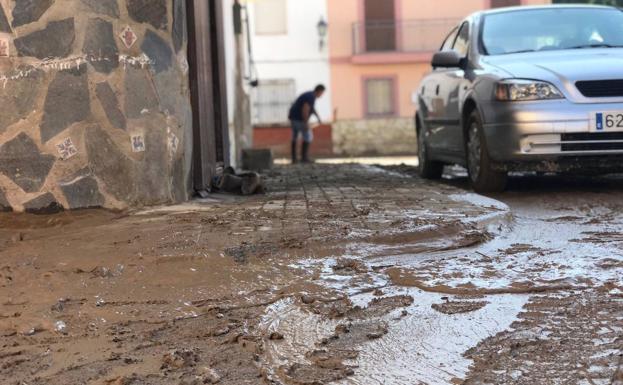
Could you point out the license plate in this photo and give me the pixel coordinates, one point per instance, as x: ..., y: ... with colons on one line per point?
x: 607, y: 121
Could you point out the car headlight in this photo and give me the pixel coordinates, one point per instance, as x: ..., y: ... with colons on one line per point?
x: 524, y: 90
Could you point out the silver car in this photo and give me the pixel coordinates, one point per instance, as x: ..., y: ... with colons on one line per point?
x: 525, y: 89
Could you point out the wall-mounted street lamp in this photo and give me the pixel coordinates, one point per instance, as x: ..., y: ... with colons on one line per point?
x: 323, y: 29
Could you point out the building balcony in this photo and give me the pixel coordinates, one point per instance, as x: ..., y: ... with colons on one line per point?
x: 398, y: 41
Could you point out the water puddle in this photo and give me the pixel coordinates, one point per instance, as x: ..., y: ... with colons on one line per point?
x: 422, y: 345
x: 544, y: 245
x: 427, y: 346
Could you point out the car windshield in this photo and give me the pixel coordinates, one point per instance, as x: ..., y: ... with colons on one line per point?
x: 552, y: 29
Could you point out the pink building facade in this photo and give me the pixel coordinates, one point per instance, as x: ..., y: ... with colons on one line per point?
x: 379, y: 51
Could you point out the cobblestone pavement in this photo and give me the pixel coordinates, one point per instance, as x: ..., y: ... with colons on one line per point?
x: 357, y: 202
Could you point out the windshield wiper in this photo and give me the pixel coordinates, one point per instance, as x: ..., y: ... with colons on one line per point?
x: 596, y: 45
x: 522, y: 51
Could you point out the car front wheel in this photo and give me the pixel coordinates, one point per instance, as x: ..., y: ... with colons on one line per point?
x: 483, y: 177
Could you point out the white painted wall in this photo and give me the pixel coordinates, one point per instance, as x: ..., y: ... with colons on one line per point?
x: 230, y: 52
x: 296, y: 54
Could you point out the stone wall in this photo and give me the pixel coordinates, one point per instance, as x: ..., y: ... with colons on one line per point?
x: 94, y: 104
x: 395, y: 136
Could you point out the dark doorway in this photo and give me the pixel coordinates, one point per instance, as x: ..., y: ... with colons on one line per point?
x: 208, y: 89
x: 380, y: 25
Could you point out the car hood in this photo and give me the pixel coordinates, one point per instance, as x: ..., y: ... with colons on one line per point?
x: 565, y: 66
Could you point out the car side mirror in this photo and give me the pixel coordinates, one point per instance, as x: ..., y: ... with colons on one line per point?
x: 447, y: 59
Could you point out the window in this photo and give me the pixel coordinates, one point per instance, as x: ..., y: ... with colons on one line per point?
x: 271, y: 17
x: 449, y: 42
x: 380, y: 97
x: 505, y: 3
x: 461, y: 44
x: 272, y: 101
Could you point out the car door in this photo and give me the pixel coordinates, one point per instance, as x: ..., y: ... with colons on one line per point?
x: 448, y: 99
x: 432, y: 108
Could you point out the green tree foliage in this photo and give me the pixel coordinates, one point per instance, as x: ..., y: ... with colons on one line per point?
x: 617, y: 3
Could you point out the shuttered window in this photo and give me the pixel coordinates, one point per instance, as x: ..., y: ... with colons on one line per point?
x: 380, y: 97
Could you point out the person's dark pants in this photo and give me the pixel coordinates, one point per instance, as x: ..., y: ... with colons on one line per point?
x: 300, y: 128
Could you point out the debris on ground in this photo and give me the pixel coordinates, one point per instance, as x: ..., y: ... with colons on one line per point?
x: 276, y: 336
x: 459, y: 307
x: 245, y: 183
x: 178, y: 359
x: 61, y: 327
x: 349, y: 266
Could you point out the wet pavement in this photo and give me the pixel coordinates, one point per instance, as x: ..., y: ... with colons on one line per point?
x: 344, y: 274
x: 566, y: 232
x: 539, y: 301
x: 561, y: 253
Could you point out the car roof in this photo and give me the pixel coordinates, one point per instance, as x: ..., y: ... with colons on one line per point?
x: 537, y: 7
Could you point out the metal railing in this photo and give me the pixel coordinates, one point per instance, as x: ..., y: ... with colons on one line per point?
x: 409, y: 36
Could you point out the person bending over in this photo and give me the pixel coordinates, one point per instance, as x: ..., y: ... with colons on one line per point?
x: 300, y: 113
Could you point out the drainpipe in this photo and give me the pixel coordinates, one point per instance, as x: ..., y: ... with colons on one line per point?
x: 242, y: 106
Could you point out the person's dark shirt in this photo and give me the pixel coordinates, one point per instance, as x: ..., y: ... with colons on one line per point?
x: 296, y: 111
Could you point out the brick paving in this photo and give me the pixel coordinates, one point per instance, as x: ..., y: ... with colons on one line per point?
x: 328, y: 202
x: 313, y: 207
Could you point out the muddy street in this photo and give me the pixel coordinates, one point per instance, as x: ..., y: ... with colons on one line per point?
x: 344, y: 274
x: 538, y: 302
x: 555, y: 263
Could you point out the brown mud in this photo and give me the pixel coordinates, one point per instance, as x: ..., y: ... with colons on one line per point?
x: 342, y: 274
x: 175, y: 295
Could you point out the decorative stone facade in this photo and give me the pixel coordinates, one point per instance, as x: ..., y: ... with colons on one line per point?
x: 394, y: 136
x: 94, y: 104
